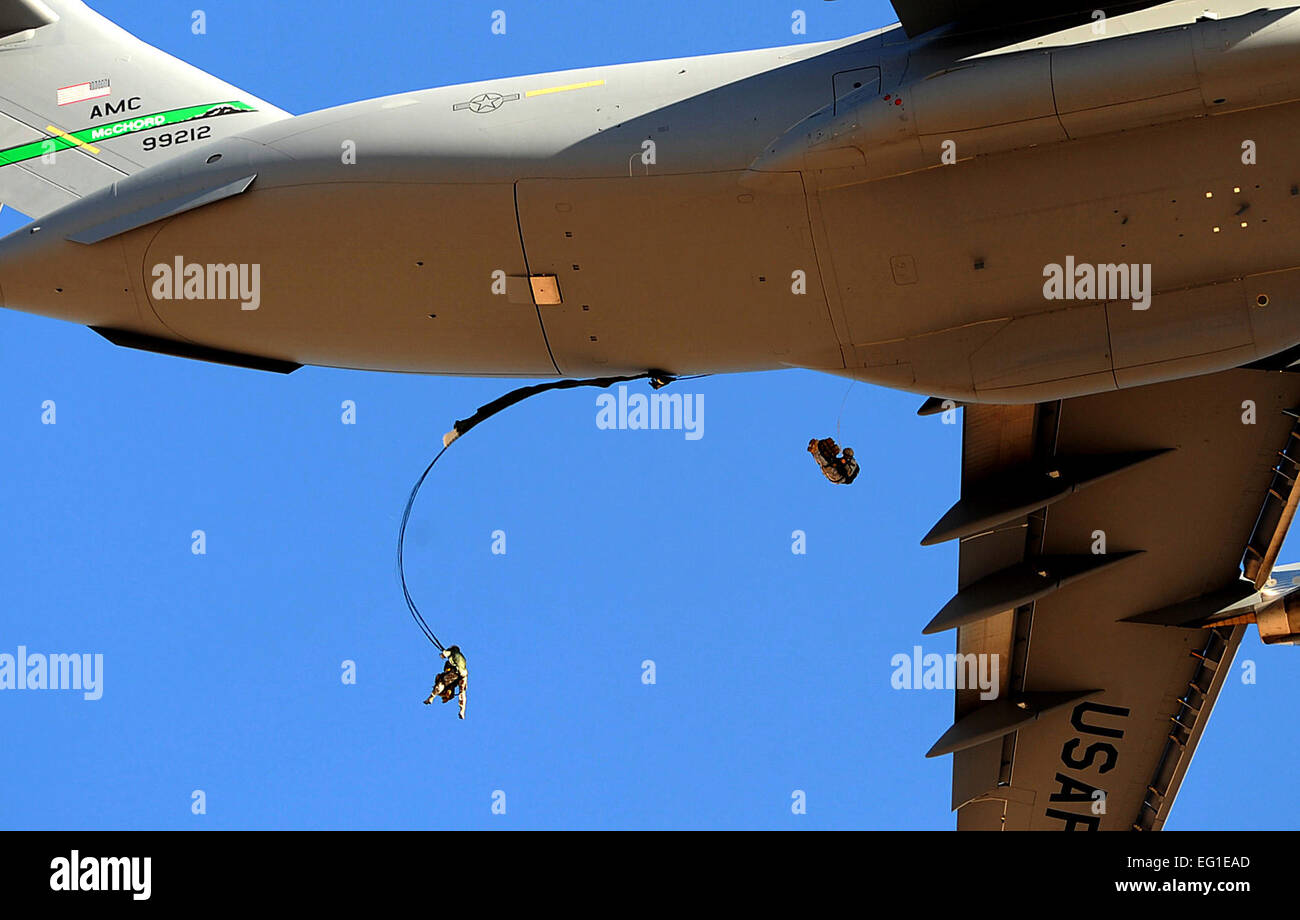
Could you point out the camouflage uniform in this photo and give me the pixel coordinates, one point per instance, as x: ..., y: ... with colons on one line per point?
x: 840, y: 470
x: 454, y: 676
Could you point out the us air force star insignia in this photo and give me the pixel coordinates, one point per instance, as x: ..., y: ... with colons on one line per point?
x: 485, y: 102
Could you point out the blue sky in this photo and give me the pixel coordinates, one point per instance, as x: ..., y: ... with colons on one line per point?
x: 222, y: 671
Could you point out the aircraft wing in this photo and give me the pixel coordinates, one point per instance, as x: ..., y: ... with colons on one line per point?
x: 1182, y: 485
x: 917, y: 16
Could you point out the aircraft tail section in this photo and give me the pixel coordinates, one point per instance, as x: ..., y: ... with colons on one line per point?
x: 84, y: 103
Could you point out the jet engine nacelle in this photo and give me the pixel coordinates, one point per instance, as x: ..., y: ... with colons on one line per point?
x: 1279, y: 620
x: 986, y: 105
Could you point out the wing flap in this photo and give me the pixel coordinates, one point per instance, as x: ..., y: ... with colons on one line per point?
x: 1115, y: 760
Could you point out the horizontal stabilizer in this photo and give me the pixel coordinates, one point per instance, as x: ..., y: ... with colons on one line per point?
x: 18, y: 16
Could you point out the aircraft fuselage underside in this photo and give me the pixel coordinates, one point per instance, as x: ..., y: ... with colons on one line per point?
x: 608, y: 221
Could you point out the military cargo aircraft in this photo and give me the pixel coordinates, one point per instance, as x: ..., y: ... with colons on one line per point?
x: 1074, y: 224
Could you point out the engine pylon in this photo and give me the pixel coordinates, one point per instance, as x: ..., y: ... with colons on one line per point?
x: 1278, y: 621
